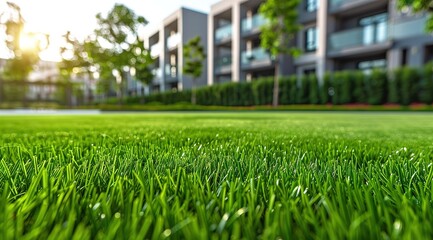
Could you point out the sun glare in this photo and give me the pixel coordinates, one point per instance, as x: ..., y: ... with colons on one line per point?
x: 28, y: 42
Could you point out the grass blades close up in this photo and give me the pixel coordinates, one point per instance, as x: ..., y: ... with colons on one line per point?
x: 217, y: 176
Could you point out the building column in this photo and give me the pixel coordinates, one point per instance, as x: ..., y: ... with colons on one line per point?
x: 179, y: 64
x: 322, y: 30
x: 163, y: 52
x: 393, y: 58
x: 236, y: 41
x: 210, y: 49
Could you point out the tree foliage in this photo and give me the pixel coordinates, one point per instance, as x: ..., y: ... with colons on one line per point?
x: 118, y: 46
x: 279, y: 32
x: 420, y: 5
x: 75, y: 57
x: 194, y: 55
x: 23, y: 57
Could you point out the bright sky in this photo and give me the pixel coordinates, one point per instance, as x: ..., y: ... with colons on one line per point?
x: 55, y: 17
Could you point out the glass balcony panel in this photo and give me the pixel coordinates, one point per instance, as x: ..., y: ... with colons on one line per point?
x: 336, y: 3
x: 170, y: 71
x: 363, y: 36
x: 415, y: 27
x: 223, y: 63
x: 257, y: 54
x: 157, y: 72
x: 254, y: 23
x: 173, y: 40
x: 223, y: 33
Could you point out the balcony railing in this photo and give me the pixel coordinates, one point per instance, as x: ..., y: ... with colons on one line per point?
x: 223, y: 33
x: 337, y: 3
x: 173, y: 41
x: 361, y: 36
x: 155, y: 50
x: 223, y: 63
x: 253, y: 24
x: 170, y: 72
x: 256, y: 55
x: 157, y: 73
x: 411, y: 28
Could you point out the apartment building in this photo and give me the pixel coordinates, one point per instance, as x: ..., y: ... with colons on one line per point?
x: 234, y: 52
x: 166, y: 45
x: 335, y: 35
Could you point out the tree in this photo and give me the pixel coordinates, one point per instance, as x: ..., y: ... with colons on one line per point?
x: 119, y: 50
x: 142, y: 63
x: 278, y: 33
x: 78, y: 60
x: 420, y: 5
x: 24, y: 47
x: 194, y: 55
x: 74, y: 57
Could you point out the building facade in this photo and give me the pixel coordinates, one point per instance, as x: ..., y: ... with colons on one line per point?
x: 335, y: 35
x: 166, y: 45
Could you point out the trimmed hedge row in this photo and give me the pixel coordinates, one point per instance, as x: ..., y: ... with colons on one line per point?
x: 403, y: 86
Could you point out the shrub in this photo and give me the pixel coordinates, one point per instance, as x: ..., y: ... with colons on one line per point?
x: 346, y: 87
x: 409, y: 85
x: 426, y: 93
x: 284, y: 91
x: 376, y: 87
x: 359, y: 87
x: 293, y: 89
x: 263, y: 89
x: 314, y: 89
x: 324, y: 89
x: 394, y: 86
x: 303, y: 90
x: 336, y: 86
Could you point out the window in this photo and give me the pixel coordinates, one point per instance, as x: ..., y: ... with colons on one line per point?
x: 155, y: 88
x: 404, y: 57
x: 428, y: 54
x: 310, y: 43
x: 309, y: 71
x: 374, y: 28
x: 311, y: 5
x: 368, y: 66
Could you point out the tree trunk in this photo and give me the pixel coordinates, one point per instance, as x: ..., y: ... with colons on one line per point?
x: 120, y: 89
x: 119, y: 93
x: 142, y: 98
x: 276, y: 84
x: 1, y: 90
x: 193, y: 93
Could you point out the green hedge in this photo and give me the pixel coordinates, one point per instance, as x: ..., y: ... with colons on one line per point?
x: 402, y: 86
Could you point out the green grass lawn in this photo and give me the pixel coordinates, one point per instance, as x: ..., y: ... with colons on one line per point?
x: 217, y: 176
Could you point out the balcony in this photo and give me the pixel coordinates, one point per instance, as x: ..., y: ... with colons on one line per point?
x: 173, y: 41
x: 170, y: 73
x: 348, y: 6
x: 252, y: 25
x: 155, y: 50
x: 223, y: 64
x: 338, y: 3
x: 223, y: 34
x: 367, y: 38
x: 257, y: 57
x: 407, y: 29
x: 157, y: 73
